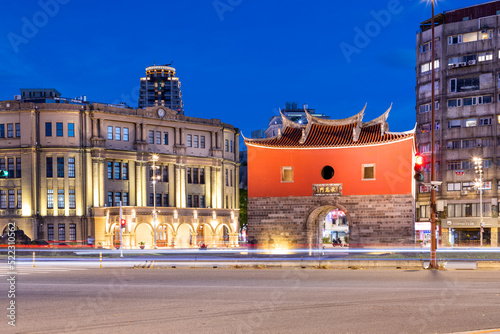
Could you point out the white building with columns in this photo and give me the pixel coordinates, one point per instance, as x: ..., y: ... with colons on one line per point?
x: 71, y: 165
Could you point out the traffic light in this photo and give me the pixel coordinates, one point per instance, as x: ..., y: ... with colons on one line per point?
x: 4, y: 173
x: 419, y: 168
x: 123, y: 223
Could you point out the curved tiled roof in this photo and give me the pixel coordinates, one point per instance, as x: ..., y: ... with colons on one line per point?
x: 330, y: 136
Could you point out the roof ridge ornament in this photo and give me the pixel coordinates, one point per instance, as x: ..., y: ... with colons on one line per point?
x: 305, y: 133
x: 382, y: 120
x: 358, y: 118
x: 288, y: 122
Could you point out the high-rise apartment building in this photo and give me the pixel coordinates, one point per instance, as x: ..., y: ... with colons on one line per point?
x: 292, y: 112
x: 467, y: 96
x: 160, y: 87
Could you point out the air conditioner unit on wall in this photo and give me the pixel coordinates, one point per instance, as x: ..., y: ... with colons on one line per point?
x: 462, y: 64
x: 479, y: 145
x: 464, y: 192
x: 471, y: 62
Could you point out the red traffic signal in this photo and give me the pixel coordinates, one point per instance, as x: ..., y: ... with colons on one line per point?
x: 123, y: 223
x: 419, y: 168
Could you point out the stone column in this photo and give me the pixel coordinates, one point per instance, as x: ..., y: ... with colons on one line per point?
x: 194, y: 240
x: 95, y: 181
x: 208, y: 190
x: 213, y: 197
x: 144, y: 176
x: 138, y: 184
x: 101, y: 176
x: 183, y: 183
x: 171, y: 185
x: 138, y: 133
x: 178, y: 192
x: 494, y: 237
x: 132, y: 186
x: 144, y: 134
x: 95, y: 131
x: 173, y: 240
x: 237, y: 186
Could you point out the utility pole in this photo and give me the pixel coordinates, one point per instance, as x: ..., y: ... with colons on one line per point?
x: 433, y: 262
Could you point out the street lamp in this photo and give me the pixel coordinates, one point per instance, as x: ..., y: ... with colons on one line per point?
x: 155, y: 178
x: 478, y: 162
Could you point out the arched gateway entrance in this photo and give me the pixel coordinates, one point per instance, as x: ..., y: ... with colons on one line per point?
x: 327, y: 223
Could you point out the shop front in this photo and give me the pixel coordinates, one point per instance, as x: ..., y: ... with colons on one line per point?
x: 467, y: 233
x: 423, y: 233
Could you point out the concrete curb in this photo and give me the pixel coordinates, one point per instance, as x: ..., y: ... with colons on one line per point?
x: 326, y: 264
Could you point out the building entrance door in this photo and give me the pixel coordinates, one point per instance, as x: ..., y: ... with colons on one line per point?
x: 162, y: 235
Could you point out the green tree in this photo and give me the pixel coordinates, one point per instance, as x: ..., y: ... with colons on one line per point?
x: 243, y: 207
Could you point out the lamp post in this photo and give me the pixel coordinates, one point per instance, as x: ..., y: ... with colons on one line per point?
x: 479, y: 184
x: 154, y: 179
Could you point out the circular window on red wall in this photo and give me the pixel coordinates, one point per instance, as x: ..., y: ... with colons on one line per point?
x: 327, y: 172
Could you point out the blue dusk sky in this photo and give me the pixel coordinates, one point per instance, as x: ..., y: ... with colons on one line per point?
x: 238, y: 60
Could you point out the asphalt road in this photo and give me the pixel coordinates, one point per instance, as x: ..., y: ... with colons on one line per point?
x: 204, y: 301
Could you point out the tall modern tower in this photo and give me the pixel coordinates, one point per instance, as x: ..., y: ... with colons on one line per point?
x: 160, y: 87
x: 467, y: 118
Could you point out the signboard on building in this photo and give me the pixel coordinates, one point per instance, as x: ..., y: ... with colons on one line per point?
x: 328, y: 189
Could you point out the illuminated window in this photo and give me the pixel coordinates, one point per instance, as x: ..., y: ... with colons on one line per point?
x: 60, y: 167
x: 118, y: 133
x: 125, y: 171
x: 62, y: 232
x: 427, y: 66
x: 72, y: 232
x: 60, y: 198
x: 151, y: 137
x: 50, y: 232
x: 12, y: 199
x: 71, y: 167
x: 50, y: 198
x: 59, y: 129
x: 369, y: 172
x: 71, y: 199
x: 125, y: 134
x: 71, y: 129
x: 10, y: 130
x: 469, y: 37
x: 287, y: 174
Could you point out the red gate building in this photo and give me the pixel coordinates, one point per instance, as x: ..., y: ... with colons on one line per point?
x: 307, y: 171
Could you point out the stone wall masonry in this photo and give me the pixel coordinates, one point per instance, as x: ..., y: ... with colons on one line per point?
x: 373, y: 219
